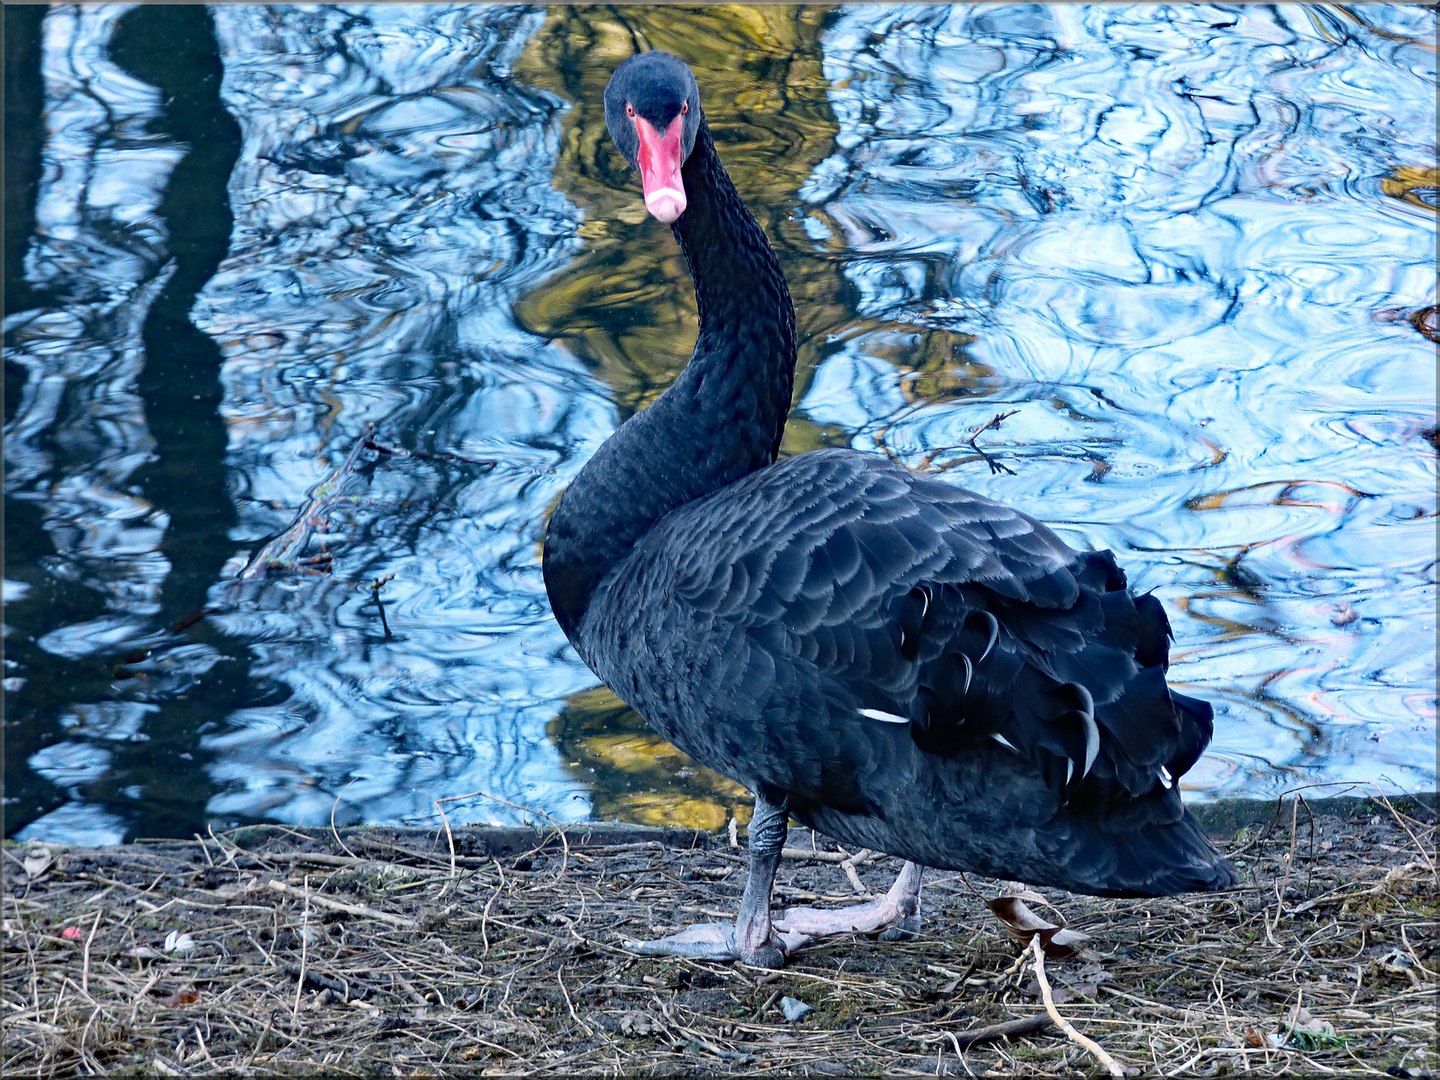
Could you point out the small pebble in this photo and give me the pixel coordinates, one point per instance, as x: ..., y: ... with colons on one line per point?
x: 794, y: 1009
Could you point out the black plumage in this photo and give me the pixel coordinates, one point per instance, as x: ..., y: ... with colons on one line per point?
x: 902, y: 664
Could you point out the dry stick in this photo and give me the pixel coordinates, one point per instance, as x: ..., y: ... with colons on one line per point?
x: 1026, y: 1025
x: 334, y: 830
x: 814, y: 856
x: 1344, y: 785
x: 1285, y: 882
x: 339, y: 987
x: 1400, y: 820
x: 570, y: 1005
x: 1064, y: 1025
x: 320, y: 858
x: 304, y: 938
x: 485, y: 915
x: 229, y: 855
x: 349, y: 909
x: 203, y: 1048
x: 1424, y: 971
x: 450, y: 839
x: 292, y: 541
x: 495, y: 798
x: 849, y: 865
x: 85, y: 972
x: 409, y: 988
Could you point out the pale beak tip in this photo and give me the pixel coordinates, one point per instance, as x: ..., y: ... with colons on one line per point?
x: 666, y: 204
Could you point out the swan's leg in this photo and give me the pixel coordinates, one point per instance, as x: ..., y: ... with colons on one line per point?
x: 752, y: 938
x: 896, y: 914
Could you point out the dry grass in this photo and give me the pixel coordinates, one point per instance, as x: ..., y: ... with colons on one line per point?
x: 362, y: 953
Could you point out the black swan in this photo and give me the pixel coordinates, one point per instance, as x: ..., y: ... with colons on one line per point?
x: 898, y: 663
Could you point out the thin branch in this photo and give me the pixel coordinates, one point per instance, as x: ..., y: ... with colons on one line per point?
x: 1111, y: 1065
x: 996, y: 467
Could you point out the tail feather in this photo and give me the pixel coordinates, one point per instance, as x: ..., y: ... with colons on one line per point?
x: 1160, y: 860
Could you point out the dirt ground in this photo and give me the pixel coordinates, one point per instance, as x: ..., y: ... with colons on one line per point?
x: 269, y: 950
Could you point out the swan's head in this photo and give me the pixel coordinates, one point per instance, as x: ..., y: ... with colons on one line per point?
x: 652, y: 108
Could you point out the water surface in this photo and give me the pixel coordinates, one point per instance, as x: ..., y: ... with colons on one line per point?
x: 1191, y: 248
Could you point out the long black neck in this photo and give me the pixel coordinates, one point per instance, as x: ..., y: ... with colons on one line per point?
x: 721, y: 419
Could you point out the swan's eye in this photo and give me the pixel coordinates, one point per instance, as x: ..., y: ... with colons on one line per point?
x: 684, y: 108
x: 629, y: 109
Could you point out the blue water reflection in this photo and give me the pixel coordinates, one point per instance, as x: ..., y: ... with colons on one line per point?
x: 1192, y: 247
x: 1174, y: 242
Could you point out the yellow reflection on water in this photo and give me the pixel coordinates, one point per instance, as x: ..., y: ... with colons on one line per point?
x: 1411, y: 183
x: 626, y: 305
x: 635, y: 775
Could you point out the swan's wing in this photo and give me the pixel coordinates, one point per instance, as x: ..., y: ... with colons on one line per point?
x: 924, y: 605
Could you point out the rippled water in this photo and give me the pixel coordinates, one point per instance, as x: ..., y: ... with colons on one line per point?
x: 1192, y: 248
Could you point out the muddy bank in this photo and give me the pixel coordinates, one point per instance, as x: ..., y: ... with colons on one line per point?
x: 377, y: 952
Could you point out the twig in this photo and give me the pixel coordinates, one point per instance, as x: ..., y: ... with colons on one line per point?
x: 996, y: 467
x: 488, y: 464
x: 335, y: 832
x: 409, y: 988
x: 450, y: 839
x: 1026, y: 1025
x: 485, y: 915
x: 338, y: 987
x: 570, y: 1005
x: 774, y: 997
x: 322, y: 858
x: 85, y: 972
x: 861, y: 856
x: 304, y: 941
x: 507, y: 802
x: 1111, y: 1065
x: 1400, y: 820
x: 375, y: 587
x: 815, y: 856
x: 358, y: 910
x: 285, y: 548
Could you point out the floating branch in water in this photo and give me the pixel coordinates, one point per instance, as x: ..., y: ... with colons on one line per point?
x: 994, y: 422
x: 972, y: 442
x: 375, y: 587
x: 283, y: 552
x: 487, y: 464
x: 929, y: 459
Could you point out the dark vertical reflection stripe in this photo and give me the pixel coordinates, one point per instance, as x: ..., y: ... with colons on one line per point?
x: 25, y: 539
x: 180, y: 383
x: 173, y: 48
x: 24, y: 103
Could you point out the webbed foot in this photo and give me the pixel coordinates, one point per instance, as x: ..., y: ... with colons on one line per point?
x: 720, y: 942
x: 895, y: 916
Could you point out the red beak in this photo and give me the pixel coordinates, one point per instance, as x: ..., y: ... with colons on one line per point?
x: 660, y: 169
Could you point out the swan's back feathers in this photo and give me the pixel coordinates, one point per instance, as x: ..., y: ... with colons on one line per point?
x: 852, y: 604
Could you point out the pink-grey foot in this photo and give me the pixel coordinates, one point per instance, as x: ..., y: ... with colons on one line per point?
x: 755, y: 940
x: 896, y: 915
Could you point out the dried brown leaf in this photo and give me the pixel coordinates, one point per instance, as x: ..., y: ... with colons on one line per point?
x: 1024, y: 924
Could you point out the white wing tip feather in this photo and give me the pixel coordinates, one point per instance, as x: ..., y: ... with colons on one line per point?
x: 1004, y: 742
x: 884, y: 717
